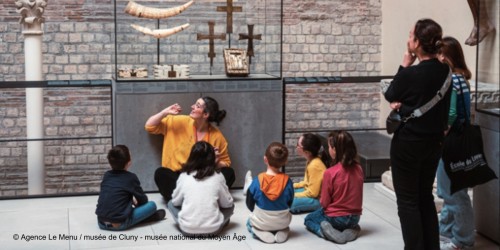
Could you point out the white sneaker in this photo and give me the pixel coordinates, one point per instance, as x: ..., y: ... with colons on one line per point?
x: 451, y: 246
x: 444, y: 239
x: 264, y: 236
x: 282, y: 235
x: 248, y: 181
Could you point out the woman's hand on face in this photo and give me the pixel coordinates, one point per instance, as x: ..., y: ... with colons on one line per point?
x: 395, y: 105
x: 172, y: 110
x: 408, y: 58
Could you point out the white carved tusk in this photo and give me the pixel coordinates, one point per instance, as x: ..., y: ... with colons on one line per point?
x: 160, y: 33
x: 138, y: 10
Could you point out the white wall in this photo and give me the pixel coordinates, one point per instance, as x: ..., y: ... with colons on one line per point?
x: 455, y: 17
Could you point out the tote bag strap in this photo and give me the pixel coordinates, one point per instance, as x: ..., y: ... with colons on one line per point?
x: 467, y: 118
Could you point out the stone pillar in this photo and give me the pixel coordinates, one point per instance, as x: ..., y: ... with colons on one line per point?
x: 31, y: 18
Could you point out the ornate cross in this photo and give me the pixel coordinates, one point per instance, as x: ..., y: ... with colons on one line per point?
x: 211, y: 37
x: 250, y: 36
x: 229, y: 9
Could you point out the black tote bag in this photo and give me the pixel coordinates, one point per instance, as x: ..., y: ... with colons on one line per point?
x: 464, y: 159
x: 463, y: 156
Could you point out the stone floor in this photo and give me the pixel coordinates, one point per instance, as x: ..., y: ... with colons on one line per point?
x: 53, y: 219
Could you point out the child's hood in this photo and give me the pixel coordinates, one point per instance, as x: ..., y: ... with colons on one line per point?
x: 273, y: 185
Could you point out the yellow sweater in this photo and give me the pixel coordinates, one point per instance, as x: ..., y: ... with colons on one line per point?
x: 313, y: 177
x: 179, y: 137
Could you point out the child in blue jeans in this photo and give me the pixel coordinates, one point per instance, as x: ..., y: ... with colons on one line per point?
x: 307, y: 191
x: 341, y: 193
x: 122, y: 203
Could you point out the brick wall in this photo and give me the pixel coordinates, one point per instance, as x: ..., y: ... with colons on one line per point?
x: 325, y: 107
x: 72, y: 165
x: 320, y: 38
x: 331, y: 37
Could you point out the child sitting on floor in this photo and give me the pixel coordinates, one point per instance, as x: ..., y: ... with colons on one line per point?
x: 269, y: 197
x: 201, y: 203
x: 341, y: 193
x: 122, y: 203
x: 307, y: 191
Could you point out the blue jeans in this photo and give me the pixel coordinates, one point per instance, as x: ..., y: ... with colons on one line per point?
x: 341, y: 223
x: 457, y: 217
x: 139, y: 214
x: 304, y: 204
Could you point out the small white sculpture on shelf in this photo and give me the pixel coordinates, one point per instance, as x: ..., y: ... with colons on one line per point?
x: 171, y: 71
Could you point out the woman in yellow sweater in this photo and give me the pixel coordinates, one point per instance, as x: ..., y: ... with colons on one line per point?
x: 307, y: 192
x: 180, y: 133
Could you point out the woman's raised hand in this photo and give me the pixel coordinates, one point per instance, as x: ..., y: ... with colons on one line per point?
x: 172, y: 110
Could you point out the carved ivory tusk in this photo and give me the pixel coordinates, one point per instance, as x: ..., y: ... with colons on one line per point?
x: 160, y: 33
x: 138, y: 10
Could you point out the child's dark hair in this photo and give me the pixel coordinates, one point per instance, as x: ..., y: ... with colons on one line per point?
x: 276, y: 154
x: 202, y: 160
x: 212, y: 108
x: 312, y: 143
x: 118, y: 157
x: 345, y: 148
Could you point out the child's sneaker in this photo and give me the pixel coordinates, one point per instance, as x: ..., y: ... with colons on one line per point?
x: 281, y: 235
x: 451, y: 246
x: 264, y: 236
x: 158, y: 215
x: 352, y: 233
x: 331, y: 233
x: 443, y: 239
x: 248, y: 181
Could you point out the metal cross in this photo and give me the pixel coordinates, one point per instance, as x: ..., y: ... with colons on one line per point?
x: 250, y: 36
x: 229, y: 9
x: 211, y: 36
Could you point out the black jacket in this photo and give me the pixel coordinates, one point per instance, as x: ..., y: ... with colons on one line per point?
x: 115, y: 199
x: 414, y: 86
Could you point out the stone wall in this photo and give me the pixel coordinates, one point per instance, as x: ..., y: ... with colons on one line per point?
x: 320, y: 38
x: 77, y: 123
x: 325, y: 107
x: 331, y: 37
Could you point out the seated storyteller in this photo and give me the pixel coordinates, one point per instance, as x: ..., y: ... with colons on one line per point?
x: 307, y: 191
x: 269, y: 197
x: 122, y: 203
x: 341, y: 193
x: 180, y: 133
x: 201, y: 203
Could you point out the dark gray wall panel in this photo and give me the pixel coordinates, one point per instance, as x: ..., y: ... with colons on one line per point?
x: 254, y: 119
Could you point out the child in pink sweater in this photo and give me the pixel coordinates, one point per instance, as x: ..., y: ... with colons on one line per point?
x: 341, y: 196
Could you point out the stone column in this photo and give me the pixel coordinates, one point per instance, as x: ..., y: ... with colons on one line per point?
x: 31, y: 18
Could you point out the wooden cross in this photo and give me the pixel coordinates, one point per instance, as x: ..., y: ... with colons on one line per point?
x: 229, y: 9
x: 250, y: 36
x: 211, y: 37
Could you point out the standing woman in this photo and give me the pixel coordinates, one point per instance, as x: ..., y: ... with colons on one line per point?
x: 416, y: 146
x: 180, y: 133
x: 456, y: 223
